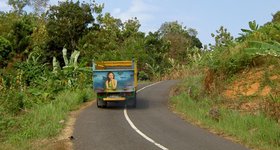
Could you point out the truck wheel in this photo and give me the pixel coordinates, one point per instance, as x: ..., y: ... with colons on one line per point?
x: 100, y: 103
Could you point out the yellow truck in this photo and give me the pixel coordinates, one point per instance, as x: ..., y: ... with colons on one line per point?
x: 115, y: 81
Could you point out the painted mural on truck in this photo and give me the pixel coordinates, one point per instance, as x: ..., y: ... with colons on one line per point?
x: 124, y: 80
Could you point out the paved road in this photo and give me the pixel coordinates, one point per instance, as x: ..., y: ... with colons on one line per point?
x: 108, y: 129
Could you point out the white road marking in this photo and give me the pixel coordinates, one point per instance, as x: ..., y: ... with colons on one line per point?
x: 147, y: 86
x: 136, y: 129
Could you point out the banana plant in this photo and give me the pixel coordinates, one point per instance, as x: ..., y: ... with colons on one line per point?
x: 73, y: 59
x: 154, y: 69
x: 257, y: 48
x: 56, y: 66
x: 253, y: 27
x: 195, y: 55
x: 71, y: 71
x: 64, y: 53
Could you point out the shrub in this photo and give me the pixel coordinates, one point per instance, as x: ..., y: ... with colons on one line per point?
x: 5, y: 50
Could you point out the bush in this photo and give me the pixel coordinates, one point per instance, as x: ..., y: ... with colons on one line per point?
x: 5, y: 50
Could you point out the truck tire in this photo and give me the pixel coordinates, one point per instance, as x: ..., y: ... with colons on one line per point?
x: 98, y: 103
x: 101, y: 104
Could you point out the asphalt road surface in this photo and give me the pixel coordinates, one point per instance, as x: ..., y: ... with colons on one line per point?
x: 149, y: 126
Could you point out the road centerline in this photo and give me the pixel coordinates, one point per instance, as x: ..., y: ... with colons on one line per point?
x: 136, y: 129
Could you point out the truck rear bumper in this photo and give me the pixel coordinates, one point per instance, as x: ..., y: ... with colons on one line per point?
x: 114, y: 99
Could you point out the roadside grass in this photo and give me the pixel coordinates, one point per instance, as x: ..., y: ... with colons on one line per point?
x: 144, y: 81
x: 44, y: 122
x: 253, y: 130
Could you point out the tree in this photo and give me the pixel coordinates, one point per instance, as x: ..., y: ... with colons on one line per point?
x: 6, y: 23
x: 39, y: 36
x: 67, y: 23
x: 20, y: 35
x: 223, y: 38
x: 5, y: 50
x: 276, y: 17
x: 155, y: 44
x: 39, y: 5
x: 172, y: 27
x: 156, y: 48
x: 18, y: 5
x: 180, y: 39
x: 106, y: 37
x: 131, y: 27
x: 113, y: 40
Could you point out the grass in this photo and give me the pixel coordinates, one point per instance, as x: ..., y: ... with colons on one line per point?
x: 254, y: 130
x: 144, y: 81
x: 43, y: 121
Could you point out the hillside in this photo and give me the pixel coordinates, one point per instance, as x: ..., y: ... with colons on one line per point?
x: 233, y: 90
x: 252, y: 90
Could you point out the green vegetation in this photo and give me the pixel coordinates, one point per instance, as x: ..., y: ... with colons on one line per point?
x: 40, y: 82
x: 255, y: 130
x: 40, y: 123
x: 233, y: 89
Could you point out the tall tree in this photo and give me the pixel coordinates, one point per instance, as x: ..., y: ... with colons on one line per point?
x: 131, y: 27
x: 18, y: 5
x: 5, y: 50
x: 20, y: 35
x: 106, y: 37
x: 156, y: 47
x: 6, y: 22
x: 223, y: 38
x: 180, y: 38
x: 67, y: 23
x: 276, y: 17
x: 39, y: 6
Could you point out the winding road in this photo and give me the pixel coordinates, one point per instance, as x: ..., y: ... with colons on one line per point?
x: 149, y: 126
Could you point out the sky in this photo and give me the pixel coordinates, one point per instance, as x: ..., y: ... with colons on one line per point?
x: 206, y: 16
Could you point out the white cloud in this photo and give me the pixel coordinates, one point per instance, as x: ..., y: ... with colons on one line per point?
x: 138, y: 8
x: 4, y: 6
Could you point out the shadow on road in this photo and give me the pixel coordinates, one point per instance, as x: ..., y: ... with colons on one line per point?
x: 141, y: 104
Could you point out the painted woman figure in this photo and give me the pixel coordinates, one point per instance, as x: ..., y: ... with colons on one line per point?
x: 111, y: 82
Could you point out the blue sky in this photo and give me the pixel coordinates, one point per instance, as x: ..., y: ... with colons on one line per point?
x: 203, y: 15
